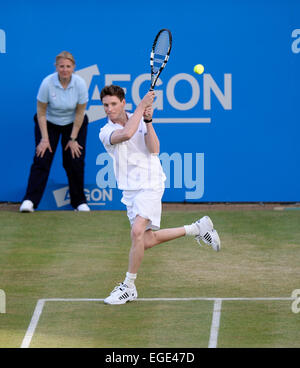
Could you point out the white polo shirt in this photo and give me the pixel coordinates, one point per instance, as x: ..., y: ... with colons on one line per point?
x: 134, y: 166
x: 62, y: 102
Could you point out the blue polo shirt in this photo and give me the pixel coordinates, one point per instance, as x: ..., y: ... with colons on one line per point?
x: 62, y: 102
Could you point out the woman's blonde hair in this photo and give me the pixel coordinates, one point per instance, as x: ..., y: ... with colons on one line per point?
x: 65, y: 55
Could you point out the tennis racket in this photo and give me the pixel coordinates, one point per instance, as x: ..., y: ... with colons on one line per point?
x: 160, y: 54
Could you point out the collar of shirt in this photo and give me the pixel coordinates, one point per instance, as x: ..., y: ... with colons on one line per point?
x: 58, y: 84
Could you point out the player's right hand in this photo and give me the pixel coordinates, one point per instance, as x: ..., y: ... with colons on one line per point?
x: 148, y: 99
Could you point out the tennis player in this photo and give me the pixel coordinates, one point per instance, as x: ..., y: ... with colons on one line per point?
x: 132, y: 142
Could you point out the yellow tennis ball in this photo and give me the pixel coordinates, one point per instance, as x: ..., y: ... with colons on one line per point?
x: 199, y: 68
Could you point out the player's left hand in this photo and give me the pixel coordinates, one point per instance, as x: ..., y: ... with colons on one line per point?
x: 148, y: 113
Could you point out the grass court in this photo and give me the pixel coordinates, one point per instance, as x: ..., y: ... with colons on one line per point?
x: 189, y: 296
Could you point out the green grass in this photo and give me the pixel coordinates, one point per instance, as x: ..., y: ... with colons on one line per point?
x: 97, y: 325
x: 84, y: 255
x: 263, y: 324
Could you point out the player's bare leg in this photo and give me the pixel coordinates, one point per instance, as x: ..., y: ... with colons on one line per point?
x: 136, y: 253
x: 201, y: 230
x: 141, y: 240
x: 126, y: 290
x: 152, y: 238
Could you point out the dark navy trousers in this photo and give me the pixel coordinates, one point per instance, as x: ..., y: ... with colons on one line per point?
x: 74, y: 167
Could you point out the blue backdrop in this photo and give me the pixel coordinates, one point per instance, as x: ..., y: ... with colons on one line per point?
x: 228, y: 135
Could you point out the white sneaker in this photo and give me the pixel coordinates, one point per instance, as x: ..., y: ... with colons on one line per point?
x: 26, y: 206
x: 83, y: 207
x: 207, y: 233
x: 121, y: 294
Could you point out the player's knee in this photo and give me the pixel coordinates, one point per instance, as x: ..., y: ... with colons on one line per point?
x: 137, y: 232
x: 150, y: 239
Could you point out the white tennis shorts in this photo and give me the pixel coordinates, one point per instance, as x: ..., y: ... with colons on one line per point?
x: 145, y: 203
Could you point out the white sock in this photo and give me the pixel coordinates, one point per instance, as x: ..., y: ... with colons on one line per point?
x: 129, y: 279
x: 191, y: 230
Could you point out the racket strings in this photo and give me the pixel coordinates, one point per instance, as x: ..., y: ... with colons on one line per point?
x: 162, y: 44
x: 159, y: 56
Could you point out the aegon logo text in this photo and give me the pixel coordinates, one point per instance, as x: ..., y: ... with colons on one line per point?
x: 192, y: 95
x: 296, y: 42
x: 94, y: 196
x: 2, y: 42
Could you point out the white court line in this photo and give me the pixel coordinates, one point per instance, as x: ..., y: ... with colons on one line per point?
x: 33, y: 323
x: 214, y: 326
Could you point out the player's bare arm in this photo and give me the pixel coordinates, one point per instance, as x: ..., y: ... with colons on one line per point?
x: 151, y: 139
x: 132, y: 124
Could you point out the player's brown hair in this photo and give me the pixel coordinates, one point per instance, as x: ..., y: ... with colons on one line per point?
x: 112, y: 90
